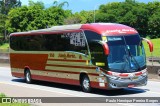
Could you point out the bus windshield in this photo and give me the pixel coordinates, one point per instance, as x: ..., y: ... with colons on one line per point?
x: 126, y: 54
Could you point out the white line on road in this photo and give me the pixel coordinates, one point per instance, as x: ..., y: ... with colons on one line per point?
x: 20, y: 85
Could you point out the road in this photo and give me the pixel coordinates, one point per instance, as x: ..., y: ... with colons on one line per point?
x: 16, y: 87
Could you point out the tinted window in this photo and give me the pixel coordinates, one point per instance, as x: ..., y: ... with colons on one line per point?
x: 91, y: 36
x: 50, y: 42
x: 22, y: 43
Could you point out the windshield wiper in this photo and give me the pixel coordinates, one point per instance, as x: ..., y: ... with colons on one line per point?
x: 134, y: 60
x: 130, y: 55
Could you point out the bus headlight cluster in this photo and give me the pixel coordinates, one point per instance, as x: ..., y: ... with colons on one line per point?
x: 144, y: 73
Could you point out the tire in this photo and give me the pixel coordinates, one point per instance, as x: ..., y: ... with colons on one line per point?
x: 28, y: 78
x: 85, y: 84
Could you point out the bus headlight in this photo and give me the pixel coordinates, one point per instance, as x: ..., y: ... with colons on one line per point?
x: 145, y: 73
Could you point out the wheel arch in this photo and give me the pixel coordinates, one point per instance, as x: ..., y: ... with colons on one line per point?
x: 81, y: 76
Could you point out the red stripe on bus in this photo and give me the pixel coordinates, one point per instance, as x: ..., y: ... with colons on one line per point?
x: 138, y: 73
x: 34, y: 61
x: 20, y: 75
x: 67, y: 60
x: 83, y: 67
x: 54, y: 79
x: 96, y: 85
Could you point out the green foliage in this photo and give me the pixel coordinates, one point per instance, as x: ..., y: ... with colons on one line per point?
x: 35, y: 16
x: 4, y: 46
x: 2, y: 95
x: 55, y: 3
x: 5, y: 7
x: 80, y: 18
x: 143, y: 17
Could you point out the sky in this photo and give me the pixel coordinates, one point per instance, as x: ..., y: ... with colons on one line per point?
x: 79, y: 5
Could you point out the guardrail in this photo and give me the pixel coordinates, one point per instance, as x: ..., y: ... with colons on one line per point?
x: 4, y: 55
x: 154, y: 59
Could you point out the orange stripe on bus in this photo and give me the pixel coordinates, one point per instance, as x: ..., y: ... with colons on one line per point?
x: 83, y: 67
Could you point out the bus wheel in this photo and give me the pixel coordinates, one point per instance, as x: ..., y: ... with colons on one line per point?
x: 85, y: 84
x: 28, y: 76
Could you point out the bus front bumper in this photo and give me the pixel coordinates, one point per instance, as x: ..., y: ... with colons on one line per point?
x: 127, y: 82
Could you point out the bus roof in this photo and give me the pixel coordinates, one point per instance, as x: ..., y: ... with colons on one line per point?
x: 103, y: 29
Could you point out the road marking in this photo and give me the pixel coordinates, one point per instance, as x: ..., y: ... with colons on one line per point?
x: 25, y: 86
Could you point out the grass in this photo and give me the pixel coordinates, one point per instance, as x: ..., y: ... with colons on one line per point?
x: 156, y: 48
x: 11, y: 104
x: 1, y: 36
x: 4, y: 46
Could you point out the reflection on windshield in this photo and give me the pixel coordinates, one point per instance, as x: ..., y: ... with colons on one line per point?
x: 126, y: 54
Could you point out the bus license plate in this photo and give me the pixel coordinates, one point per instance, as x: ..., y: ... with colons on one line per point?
x: 131, y: 85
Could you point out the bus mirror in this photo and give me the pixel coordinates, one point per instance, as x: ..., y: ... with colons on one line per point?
x: 149, y: 43
x: 105, y: 47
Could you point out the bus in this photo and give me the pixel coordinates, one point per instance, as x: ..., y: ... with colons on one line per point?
x: 96, y: 55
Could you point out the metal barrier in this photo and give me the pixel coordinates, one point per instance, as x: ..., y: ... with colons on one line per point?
x: 4, y: 55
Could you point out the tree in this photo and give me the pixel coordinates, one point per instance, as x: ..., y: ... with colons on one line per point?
x: 34, y: 17
x: 153, y: 25
x: 80, y: 18
x: 26, y: 18
x: 5, y: 7
x: 60, y: 5
x: 154, y: 19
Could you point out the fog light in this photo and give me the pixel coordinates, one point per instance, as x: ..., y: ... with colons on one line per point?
x: 112, y: 84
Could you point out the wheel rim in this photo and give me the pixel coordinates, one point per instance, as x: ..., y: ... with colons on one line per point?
x: 86, y: 84
x: 28, y: 76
